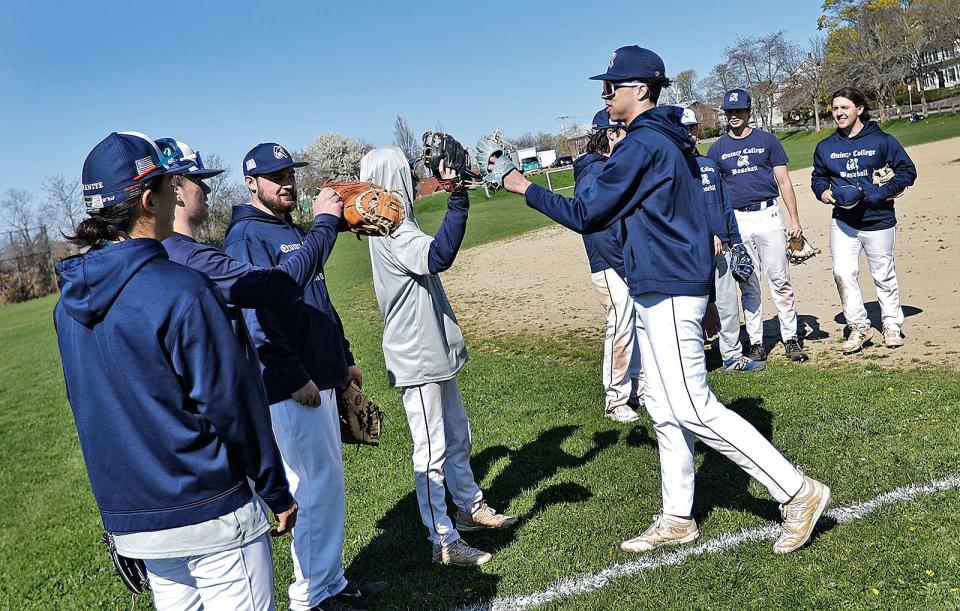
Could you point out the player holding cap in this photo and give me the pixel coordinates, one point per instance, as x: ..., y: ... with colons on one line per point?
x: 424, y: 350
x: 170, y: 414
x: 652, y: 184
x: 304, y: 357
x: 753, y: 165
x: 621, y: 372
x: 726, y: 237
x: 848, y: 172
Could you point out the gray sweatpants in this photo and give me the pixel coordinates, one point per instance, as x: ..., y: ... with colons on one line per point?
x: 728, y: 305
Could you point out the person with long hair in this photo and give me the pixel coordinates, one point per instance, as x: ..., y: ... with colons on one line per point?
x: 171, y: 416
x: 860, y: 170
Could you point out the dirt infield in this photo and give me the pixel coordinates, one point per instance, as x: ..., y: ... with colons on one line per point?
x: 539, y: 283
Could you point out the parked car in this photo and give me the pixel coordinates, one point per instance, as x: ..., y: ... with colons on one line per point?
x: 530, y: 164
x: 564, y: 161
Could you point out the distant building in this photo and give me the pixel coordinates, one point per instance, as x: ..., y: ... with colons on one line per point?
x: 944, y: 67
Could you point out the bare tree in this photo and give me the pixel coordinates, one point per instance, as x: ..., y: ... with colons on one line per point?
x: 804, y: 89
x: 526, y: 140
x: 18, y: 214
x: 764, y: 63
x: 64, y: 206
x: 404, y: 139
x: 722, y: 78
x: 685, y: 87
x: 945, y: 15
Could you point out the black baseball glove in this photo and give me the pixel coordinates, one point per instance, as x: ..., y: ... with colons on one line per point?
x: 131, y: 571
x: 439, y: 147
x: 741, y: 265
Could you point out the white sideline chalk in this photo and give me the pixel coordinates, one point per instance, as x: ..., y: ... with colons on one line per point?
x: 584, y: 584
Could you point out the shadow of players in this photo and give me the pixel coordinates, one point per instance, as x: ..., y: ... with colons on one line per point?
x: 873, y: 313
x: 401, y: 552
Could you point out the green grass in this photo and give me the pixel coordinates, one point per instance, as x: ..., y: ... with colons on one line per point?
x: 799, y: 146
x: 581, y: 484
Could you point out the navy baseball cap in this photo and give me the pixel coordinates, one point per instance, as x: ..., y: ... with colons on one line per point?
x: 268, y: 157
x: 602, y: 120
x: 736, y: 99
x: 119, y: 168
x: 630, y: 63
x: 847, y: 196
x: 184, y: 160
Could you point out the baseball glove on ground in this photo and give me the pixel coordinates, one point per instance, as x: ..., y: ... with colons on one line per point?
x: 368, y: 209
x: 361, y: 421
x: 439, y: 147
x: 494, y: 146
x: 741, y: 265
x: 132, y: 572
x: 800, y: 249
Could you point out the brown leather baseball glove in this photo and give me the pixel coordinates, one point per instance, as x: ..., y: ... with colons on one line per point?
x: 361, y: 421
x: 368, y: 209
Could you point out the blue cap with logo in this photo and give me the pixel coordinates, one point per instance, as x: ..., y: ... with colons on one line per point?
x: 184, y: 160
x: 630, y: 63
x: 602, y: 120
x: 268, y: 157
x: 736, y: 99
x: 847, y: 196
x: 120, y: 167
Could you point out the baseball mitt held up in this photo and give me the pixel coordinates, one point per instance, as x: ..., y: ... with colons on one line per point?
x: 361, y: 421
x: 494, y: 146
x: 368, y: 209
x: 439, y: 147
x: 799, y: 250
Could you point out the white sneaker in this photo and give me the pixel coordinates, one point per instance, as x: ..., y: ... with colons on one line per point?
x: 484, y: 517
x: 801, y: 514
x: 459, y: 553
x: 665, y: 530
x: 860, y: 336
x: 622, y: 414
x: 892, y: 337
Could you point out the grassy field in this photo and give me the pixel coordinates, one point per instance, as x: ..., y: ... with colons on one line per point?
x: 580, y: 483
x: 799, y: 146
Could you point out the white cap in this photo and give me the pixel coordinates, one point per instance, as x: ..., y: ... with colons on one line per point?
x: 689, y: 117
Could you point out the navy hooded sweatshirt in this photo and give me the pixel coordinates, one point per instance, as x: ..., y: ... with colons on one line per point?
x: 171, y: 416
x: 652, y: 183
x: 723, y: 222
x: 605, y: 247
x: 840, y: 160
x: 299, y: 343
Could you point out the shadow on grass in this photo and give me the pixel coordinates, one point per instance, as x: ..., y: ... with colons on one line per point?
x: 401, y: 552
x: 720, y: 482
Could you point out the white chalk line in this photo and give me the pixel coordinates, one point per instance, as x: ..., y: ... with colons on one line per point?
x: 584, y: 584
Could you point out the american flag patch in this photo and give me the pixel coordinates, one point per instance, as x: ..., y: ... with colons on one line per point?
x: 143, y: 165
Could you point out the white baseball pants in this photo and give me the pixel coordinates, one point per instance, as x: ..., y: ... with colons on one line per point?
x: 846, y: 243
x: 621, y: 374
x: 442, y: 444
x: 728, y: 305
x: 681, y: 405
x: 234, y: 580
x: 309, y: 442
x: 765, y: 237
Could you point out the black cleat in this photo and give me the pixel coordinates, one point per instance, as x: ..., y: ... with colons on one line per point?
x: 757, y: 352
x: 794, y: 352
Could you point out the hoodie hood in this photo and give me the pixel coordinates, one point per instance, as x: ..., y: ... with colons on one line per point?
x: 91, y: 282
x: 869, y: 128
x: 387, y: 166
x: 666, y: 120
x: 582, y: 162
x: 247, y: 211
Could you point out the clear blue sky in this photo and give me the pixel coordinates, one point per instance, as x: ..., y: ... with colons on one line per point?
x: 224, y: 76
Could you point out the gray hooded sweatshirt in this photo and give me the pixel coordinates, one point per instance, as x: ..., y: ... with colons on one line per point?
x: 422, y: 342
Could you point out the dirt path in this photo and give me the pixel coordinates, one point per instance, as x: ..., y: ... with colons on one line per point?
x: 539, y: 283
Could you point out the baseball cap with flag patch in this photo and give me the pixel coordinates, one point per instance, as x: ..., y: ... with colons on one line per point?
x: 120, y: 167
x: 268, y: 157
x: 185, y: 160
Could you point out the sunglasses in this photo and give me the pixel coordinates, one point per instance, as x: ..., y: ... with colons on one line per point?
x: 610, y: 88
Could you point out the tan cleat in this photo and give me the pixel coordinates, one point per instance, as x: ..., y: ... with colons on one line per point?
x: 484, y: 517
x: 665, y: 530
x: 459, y: 553
x: 860, y: 336
x: 801, y: 514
